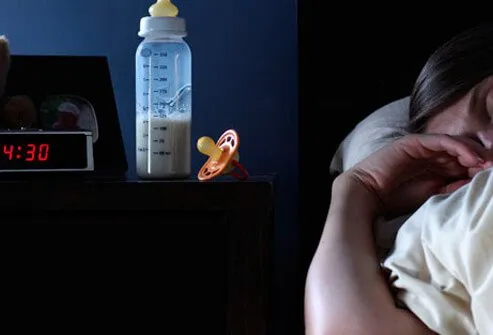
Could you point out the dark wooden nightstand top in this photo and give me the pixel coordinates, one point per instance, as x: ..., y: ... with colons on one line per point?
x: 225, y: 193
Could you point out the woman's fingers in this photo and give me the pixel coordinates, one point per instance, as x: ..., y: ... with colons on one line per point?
x: 467, y: 153
x: 449, y: 188
x: 474, y: 170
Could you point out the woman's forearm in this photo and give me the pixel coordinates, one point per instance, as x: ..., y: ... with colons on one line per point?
x: 345, y: 291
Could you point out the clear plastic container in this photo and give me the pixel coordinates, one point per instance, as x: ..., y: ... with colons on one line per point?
x: 163, y: 99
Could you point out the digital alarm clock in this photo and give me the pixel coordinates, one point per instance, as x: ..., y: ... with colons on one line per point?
x: 46, y: 151
x: 59, y: 119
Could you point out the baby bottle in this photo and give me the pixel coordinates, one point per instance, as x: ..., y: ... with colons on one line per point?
x: 163, y: 95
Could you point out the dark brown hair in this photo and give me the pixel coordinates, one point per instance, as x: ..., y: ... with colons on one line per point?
x: 450, y: 72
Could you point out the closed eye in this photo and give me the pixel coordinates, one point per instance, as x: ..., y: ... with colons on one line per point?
x: 475, y: 138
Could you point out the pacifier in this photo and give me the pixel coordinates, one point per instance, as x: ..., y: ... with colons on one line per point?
x: 163, y: 8
x: 223, y: 156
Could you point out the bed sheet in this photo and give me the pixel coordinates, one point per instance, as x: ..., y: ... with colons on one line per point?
x: 442, y: 260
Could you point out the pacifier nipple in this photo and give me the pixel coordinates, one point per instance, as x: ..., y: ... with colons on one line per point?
x: 206, y: 146
x: 163, y: 8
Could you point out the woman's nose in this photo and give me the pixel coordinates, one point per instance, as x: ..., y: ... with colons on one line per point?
x: 486, y: 136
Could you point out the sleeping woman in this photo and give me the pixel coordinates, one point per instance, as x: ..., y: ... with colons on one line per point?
x: 440, y: 172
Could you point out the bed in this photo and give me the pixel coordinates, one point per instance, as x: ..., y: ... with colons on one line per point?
x: 362, y: 80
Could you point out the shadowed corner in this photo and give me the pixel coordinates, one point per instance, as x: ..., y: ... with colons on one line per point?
x: 4, y: 62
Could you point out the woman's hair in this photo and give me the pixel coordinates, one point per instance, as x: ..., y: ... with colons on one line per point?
x: 450, y: 72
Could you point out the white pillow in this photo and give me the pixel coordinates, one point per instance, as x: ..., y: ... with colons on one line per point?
x: 379, y: 128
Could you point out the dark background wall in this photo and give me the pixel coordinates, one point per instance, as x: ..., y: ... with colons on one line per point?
x: 244, y: 77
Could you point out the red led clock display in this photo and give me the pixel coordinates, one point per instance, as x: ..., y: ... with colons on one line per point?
x: 28, y: 152
x: 43, y: 151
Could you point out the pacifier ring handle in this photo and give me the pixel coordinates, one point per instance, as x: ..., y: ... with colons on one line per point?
x: 242, y: 173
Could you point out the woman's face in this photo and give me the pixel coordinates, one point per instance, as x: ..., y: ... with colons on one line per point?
x: 472, y: 115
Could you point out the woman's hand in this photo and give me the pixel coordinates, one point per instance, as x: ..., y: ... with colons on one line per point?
x: 404, y: 174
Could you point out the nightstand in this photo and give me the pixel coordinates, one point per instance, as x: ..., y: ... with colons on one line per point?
x: 123, y: 255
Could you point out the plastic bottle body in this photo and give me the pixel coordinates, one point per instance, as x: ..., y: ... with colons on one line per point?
x: 163, y: 107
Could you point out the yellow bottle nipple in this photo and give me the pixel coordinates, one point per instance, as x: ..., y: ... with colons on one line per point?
x: 207, y: 146
x: 163, y: 8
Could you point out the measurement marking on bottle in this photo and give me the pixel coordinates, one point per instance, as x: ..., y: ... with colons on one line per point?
x: 157, y: 153
x: 159, y: 67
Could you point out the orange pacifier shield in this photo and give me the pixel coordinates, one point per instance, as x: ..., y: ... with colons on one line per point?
x: 223, y: 156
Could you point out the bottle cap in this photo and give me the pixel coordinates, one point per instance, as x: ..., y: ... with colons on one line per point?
x: 162, y: 25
